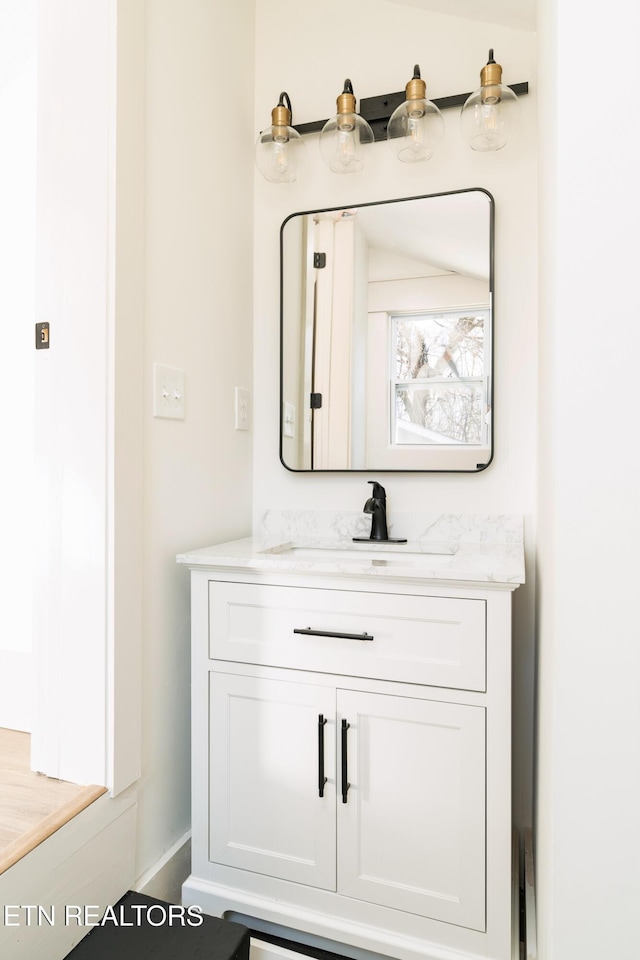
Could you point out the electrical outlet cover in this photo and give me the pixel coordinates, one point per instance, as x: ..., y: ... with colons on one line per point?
x: 243, y: 413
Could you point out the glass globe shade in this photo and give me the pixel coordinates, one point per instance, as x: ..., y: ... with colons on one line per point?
x: 279, y: 153
x: 490, y: 116
x: 341, y: 142
x: 415, y: 130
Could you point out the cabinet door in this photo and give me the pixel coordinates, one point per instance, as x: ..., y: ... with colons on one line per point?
x: 412, y: 832
x: 266, y: 812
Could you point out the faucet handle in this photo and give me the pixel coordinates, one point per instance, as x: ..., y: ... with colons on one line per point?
x: 378, y: 492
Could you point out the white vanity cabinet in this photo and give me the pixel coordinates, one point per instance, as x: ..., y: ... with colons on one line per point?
x: 351, y: 759
x: 400, y: 818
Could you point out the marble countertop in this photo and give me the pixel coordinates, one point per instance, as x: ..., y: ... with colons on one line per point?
x: 482, y: 551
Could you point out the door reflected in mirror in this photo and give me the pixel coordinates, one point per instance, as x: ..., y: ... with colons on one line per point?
x: 386, y: 335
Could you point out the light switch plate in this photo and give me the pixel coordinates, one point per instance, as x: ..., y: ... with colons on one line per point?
x: 289, y: 420
x: 168, y: 392
x: 242, y: 413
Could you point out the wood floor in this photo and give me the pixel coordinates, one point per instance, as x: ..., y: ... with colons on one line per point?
x: 32, y: 806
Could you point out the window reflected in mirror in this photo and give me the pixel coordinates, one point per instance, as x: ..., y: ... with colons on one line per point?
x: 439, y: 382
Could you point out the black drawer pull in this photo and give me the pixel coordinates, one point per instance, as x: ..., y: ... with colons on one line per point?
x: 308, y: 632
x: 345, y: 782
x: 321, y: 777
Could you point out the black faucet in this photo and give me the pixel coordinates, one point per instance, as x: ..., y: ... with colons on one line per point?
x: 376, y: 505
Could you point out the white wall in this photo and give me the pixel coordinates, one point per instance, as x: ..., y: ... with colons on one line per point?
x: 144, y: 255
x: 17, y: 317
x: 588, y: 830
x: 197, y: 472
x: 369, y: 41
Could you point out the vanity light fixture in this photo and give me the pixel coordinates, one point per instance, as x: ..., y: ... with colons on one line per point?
x: 416, y: 127
x: 280, y: 148
x: 343, y: 135
x: 490, y: 116
x: 412, y: 125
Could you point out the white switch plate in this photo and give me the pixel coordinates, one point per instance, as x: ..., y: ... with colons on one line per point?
x: 168, y: 392
x: 289, y: 420
x: 243, y: 413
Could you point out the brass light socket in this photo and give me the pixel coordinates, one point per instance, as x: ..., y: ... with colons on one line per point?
x: 281, y: 116
x: 346, y: 103
x: 490, y: 81
x: 280, y: 121
x: 416, y: 94
x: 491, y: 73
x: 416, y: 89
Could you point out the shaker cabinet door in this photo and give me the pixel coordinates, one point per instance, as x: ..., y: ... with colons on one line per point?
x: 268, y: 751
x: 411, y: 834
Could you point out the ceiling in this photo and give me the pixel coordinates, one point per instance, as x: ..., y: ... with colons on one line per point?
x: 520, y: 14
x: 450, y: 231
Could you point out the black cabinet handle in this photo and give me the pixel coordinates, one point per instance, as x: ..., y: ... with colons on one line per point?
x: 345, y: 782
x: 321, y: 777
x: 308, y: 632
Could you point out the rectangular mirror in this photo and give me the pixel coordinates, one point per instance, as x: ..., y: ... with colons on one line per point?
x: 386, y: 333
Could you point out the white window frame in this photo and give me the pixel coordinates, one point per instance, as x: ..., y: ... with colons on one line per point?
x: 435, y: 382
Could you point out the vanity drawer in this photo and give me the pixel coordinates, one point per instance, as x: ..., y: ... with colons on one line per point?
x: 431, y: 640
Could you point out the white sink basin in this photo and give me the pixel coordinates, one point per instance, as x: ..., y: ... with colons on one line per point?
x: 393, y: 554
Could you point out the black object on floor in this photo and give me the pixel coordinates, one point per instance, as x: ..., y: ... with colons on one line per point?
x: 141, y: 928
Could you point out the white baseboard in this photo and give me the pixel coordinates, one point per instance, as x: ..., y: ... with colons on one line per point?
x: 165, y: 878
x: 89, y: 862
